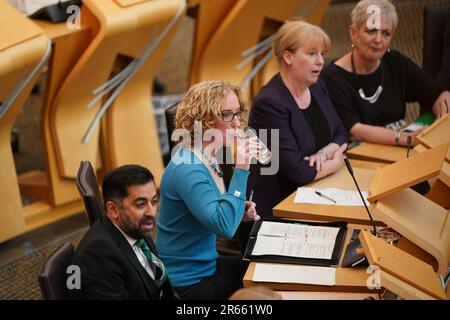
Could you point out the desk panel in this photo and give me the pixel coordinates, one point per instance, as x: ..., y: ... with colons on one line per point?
x: 377, y: 152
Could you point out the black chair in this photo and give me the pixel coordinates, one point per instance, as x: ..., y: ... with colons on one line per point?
x: 170, y: 114
x: 225, y: 247
x: 89, y: 192
x: 52, y: 276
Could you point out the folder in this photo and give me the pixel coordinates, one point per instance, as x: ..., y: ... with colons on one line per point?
x: 250, y: 255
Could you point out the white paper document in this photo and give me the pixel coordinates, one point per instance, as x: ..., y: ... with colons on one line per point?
x: 330, y: 196
x: 29, y: 7
x: 413, y: 127
x: 324, y: 276
x: 295, y: 240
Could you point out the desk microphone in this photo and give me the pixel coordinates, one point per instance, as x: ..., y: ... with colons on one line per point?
x: 408, y: 145
x: 350, y: 170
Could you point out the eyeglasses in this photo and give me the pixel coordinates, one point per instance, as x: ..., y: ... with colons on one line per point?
x: 229, y: 116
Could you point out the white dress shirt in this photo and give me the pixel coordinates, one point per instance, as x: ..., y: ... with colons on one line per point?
x: 139, y: 254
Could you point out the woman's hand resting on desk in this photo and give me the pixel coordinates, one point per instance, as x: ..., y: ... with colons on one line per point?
x: 318, y: 158
x: 333, y: 164
x: 250, y: 212
x: 321, y: 158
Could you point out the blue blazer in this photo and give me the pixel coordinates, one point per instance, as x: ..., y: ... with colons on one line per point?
x: 275, y: 108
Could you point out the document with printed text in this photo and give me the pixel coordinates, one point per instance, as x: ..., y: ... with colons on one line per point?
x: 295, y: 240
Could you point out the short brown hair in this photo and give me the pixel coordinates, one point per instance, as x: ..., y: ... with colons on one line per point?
x: 202, y: 103
x: 295, y: 33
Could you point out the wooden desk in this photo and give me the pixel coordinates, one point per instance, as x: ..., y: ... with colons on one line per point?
x: 341, y: 179
x: 306, y: 295
x: 57, y: 30
x: 347, y: 279
x: 377, y: 152
x: 436, y: 134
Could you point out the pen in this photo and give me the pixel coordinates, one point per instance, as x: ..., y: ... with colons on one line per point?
x: 324, y: 196
x: 250, y: 199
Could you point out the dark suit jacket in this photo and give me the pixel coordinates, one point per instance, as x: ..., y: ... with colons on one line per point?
x: 275, y: 108
x: 444, y: 74
x: 110, y: 269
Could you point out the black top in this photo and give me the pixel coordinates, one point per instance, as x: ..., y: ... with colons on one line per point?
x: 444, y: 74
x: 317, y: 123
x: 402, y: 80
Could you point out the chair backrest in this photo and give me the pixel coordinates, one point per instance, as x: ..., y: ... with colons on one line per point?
x: 434, y: 20
x: 89, y: 192
x: 170, y: 114
x: 52, y: 276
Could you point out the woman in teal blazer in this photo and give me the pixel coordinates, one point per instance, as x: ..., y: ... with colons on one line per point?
x: 195, y: 206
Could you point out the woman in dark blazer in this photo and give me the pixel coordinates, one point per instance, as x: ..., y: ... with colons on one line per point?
x: 312, y: 139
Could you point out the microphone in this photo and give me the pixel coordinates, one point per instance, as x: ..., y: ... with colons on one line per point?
x: 350, y: 170
x: 408, y: 145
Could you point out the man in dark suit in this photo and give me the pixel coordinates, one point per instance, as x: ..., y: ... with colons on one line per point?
x: 117, y: 257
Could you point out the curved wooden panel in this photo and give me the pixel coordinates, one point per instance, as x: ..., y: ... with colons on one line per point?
x: 245, y: 26
x: 18, y: 58
x: 121, y: 31
x: 209, y: 16
x: 131, y: 134
x: 68, y: 47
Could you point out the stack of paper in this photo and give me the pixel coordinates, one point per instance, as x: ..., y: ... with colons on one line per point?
x: 294, y: 274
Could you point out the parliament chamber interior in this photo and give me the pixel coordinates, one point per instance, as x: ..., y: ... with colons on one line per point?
x: 90, y: 86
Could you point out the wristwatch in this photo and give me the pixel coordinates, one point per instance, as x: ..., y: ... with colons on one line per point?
x: 397, y: 138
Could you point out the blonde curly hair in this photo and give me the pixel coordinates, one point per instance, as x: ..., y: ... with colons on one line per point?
x: 202, y: 103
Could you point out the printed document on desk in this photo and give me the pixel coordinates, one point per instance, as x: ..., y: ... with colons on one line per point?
x: 324, y: 276
x: 280, y: 240
x: 341, y: 197
x: 295, y: 240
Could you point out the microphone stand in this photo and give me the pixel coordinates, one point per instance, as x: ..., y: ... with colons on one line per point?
x: 350, y: 170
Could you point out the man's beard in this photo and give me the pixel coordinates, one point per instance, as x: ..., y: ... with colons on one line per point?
x: 132, y: 230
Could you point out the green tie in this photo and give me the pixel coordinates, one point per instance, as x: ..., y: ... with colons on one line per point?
x: 156, y: 264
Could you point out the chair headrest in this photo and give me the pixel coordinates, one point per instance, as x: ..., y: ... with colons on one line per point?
x: 52, y: 275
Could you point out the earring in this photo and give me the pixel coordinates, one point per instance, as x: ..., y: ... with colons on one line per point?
x: 389, y: 50
x: 353, y: 46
